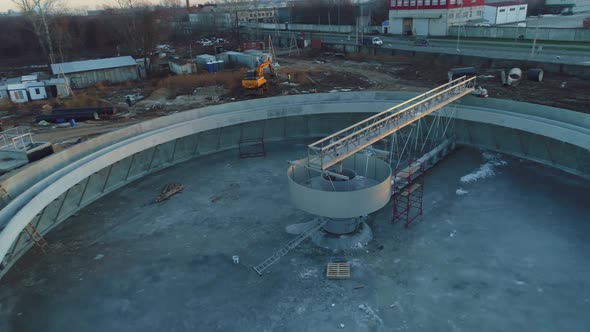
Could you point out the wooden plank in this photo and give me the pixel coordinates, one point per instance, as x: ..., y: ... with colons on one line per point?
x: 413, y: 188
x: 338, y: 270
x: 408, y: 171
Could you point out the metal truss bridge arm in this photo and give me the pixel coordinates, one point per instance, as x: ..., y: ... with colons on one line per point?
x: 335, y: 148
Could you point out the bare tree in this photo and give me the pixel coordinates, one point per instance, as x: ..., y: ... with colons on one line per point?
x: 171, y: 3
x: 39, y: 14
x: 62, y: 38
x: 141, y: 30
x: 132, y: 4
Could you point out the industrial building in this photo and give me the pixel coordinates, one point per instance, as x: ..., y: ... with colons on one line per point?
x: 432, y: 17
x: 504, y: 12
x: 257, y: 15
x: 212, y: 18
x: 87, y: 73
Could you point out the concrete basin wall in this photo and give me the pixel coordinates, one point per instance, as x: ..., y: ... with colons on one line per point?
x: 49, y: 191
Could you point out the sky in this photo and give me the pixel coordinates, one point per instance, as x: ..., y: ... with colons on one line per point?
x: 78, y: 4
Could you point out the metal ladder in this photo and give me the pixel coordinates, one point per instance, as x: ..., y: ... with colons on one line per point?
x: 36, y: 237
x: 290, y: 246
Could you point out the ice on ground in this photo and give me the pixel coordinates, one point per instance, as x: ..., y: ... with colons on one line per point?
x: 307, y: 273
x: 370, y: 313
x: 494, y: 158
x: 485, y: 170
x: 297, y: 229
x: 357, y: 245
x: 461, y: 192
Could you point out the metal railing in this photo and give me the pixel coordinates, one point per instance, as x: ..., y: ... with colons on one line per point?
x: 335, y: 148
x: 17, y: 138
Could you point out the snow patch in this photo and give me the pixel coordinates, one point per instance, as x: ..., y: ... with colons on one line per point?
x: 461, y: 192
x: 485, y: 170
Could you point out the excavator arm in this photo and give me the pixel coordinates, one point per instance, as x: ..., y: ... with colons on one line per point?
x: 260, y: 69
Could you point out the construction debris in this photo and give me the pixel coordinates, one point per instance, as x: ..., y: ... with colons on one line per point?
x: 480, y: 92
x: 169, y: 190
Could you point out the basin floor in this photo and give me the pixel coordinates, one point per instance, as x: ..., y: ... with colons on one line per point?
x: 503, y: 245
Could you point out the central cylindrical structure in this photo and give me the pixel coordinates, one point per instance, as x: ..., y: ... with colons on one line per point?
x: 343, y: 195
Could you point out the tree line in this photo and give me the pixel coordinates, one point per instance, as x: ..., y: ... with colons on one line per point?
x: 48, y: 33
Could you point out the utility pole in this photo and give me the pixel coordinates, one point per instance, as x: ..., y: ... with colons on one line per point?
x: 458, y: 34
x: 357, y: 30
x: 339, y: 11
x: 535, y: 39
x: 459, y: 26
x: 361, y: 22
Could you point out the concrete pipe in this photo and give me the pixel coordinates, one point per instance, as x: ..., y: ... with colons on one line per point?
x: 460, y: 72
x: 535, y: 75
x: 514, y: 76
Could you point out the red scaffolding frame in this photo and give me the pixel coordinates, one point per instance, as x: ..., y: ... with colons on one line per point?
x: 409, y: 186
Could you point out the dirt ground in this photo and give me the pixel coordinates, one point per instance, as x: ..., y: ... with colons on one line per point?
x: 310, y: 73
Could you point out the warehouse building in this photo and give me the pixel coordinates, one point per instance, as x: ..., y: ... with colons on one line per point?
x: 87, y: 73
x: 432, y: 17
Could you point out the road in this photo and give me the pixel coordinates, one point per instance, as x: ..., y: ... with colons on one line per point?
x: 501, y: 50
x: 546, y: 52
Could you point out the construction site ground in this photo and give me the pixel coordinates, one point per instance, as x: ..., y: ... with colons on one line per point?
x: 310, y: 73
x: 519, y: 262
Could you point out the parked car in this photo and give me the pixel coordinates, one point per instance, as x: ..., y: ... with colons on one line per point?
x: 586, y: 22
x: 421, y: 42
x: 375, y: 41
x: 211, y: 41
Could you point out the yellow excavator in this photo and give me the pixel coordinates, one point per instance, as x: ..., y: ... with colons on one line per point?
x: 254, y: 80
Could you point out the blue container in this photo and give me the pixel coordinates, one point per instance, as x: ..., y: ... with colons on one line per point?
x: 72, y: 122
x: 210, y: 67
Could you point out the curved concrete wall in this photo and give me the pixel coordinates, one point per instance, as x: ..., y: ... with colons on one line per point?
x: 49, y: 191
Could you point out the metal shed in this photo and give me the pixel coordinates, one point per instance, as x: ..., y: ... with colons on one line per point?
x: 82, y: 74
